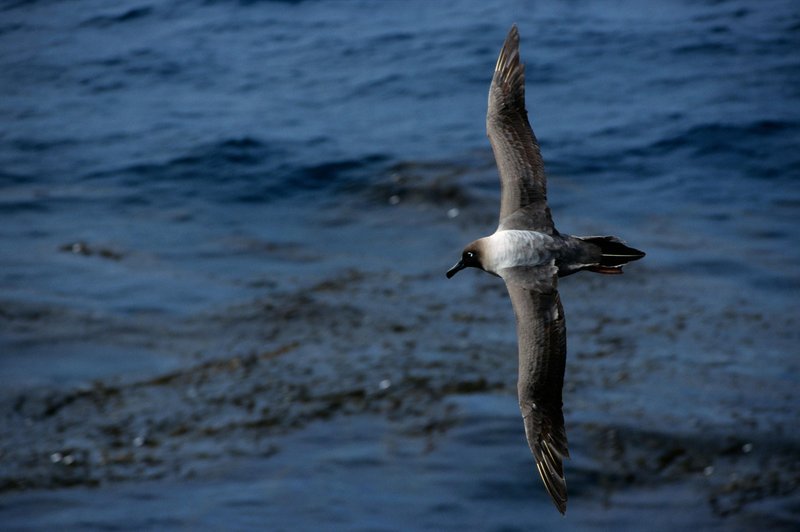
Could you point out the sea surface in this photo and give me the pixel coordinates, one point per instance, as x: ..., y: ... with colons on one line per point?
x: 224, y: 227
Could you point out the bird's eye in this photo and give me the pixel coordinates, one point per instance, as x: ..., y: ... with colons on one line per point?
x: 469, y: 255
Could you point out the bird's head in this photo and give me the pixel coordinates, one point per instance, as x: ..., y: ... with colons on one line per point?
x: 470, y: 258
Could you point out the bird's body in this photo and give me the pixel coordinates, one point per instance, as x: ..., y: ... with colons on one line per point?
x: 529, y: 254
x: 515, y: 247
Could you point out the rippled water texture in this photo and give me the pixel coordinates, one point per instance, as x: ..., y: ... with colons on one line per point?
x: 225, y: 227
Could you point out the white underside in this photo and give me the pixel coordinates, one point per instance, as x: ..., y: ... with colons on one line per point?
x: 507, y: 249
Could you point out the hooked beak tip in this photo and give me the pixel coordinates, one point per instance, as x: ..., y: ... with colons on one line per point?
x: 455, y: 269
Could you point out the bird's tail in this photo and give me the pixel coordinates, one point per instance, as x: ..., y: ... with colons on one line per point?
x: 613, y: 254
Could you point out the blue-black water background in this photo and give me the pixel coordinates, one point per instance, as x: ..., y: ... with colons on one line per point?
x: 224, y: 232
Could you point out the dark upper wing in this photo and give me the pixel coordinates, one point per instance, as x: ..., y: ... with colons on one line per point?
x: 542, y: 337
x: 524, y: 196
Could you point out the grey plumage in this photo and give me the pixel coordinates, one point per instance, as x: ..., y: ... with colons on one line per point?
x: 516, y: 151
x: 530, y: 255
x: 542, y: 337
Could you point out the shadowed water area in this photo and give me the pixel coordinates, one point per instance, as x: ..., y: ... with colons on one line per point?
x: 225, y: 227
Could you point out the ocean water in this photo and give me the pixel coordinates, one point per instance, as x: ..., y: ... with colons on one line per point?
x: 224, y: 231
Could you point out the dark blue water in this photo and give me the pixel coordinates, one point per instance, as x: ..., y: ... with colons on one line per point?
x: 165, y: 164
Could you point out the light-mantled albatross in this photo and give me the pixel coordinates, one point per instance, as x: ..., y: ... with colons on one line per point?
x: 529, y: 254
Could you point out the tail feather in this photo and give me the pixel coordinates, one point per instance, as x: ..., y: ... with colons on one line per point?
x: 613, y: 254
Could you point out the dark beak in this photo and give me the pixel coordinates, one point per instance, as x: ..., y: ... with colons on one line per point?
x: 455, y: 269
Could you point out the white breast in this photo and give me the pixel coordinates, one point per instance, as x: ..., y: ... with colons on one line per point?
x: 517, y: 248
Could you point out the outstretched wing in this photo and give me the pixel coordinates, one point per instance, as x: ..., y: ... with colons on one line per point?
x: 523, y: 202
x: 542, y: 337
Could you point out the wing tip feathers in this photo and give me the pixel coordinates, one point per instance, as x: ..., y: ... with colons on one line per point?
x: 549, y: 448
x: 550, y: 468
x: 509, y: 75
x: 509, y: 52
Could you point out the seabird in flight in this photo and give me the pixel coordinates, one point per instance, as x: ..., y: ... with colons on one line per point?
x: 529, y: 254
